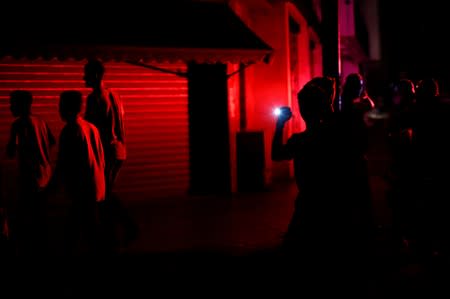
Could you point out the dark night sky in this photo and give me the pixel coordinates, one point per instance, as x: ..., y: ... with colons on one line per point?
x: 414, y: 34
x: 414, y: 38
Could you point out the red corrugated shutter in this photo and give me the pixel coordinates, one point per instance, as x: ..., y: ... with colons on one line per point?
x: 156, y: 117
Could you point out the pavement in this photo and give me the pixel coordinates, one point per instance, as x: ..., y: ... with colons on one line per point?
x: 210, y: 246
x: 231, y: 244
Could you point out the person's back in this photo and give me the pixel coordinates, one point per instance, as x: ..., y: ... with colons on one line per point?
x: 80, y: 164
x: 80, y: 168
x: 33, y: 149
x: 352, y: 143
x: 31, y: 139
x: 81, y: 161
x: 104, y: 109
x: 314, y: 166
x: 313, y: 223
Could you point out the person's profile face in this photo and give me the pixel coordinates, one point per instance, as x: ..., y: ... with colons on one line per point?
x: 14, y: 107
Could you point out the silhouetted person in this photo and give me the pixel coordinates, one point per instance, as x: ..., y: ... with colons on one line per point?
x: 428, y: 128
x: 104, y: 109
x: 354, y: 95
x: 311, y: 229
x: 328, y: 85
x: 351, y: 124
x: 352, y: 127
x: 4, y: 223
x: 80, y: 168
x: 30, y: 140
x: 402, y: 193
x: 351, y: 116
x: 430, y: 138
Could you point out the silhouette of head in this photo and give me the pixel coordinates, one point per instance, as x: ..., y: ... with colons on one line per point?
x: 20, y: 102
x: 314, y: 104
x: 404, y: 92
x: 352, y: 89
x: 354, y: 84
x: 406, y: 87
x: 328, y: 84
x: 93, y: 73
x: 70, y: 104
x: 427, y: 88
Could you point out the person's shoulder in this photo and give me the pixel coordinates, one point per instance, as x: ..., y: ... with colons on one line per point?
x: 91, y: 95
x: 99, y: 97
x: 365, y: 104
x: 22, y: 122
x: 38, y: 120
x: 66, y: 130
x: 16, y: 122
x: 85, y: 123
x: 115, y: 95
x: 112, y: 91
x: 297, y: 138
x: 90, y: 126
x: 299, y: 135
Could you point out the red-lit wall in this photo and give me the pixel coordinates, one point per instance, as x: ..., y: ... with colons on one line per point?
x: 234, y: 119
x: 270, y: 85
x: 316, y: 55
x: 351, y: 56
x: 156, y: 119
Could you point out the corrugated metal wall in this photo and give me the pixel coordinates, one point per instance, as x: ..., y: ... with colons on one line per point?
x: 156, y: 118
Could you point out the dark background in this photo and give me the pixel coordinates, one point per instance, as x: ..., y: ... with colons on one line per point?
x: 414, y: 40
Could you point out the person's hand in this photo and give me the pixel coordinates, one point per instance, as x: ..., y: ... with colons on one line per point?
x: 285, y: 115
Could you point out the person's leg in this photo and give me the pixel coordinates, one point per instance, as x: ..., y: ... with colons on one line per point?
x: 119, y: 212
x: 38, y: 229
x: 72, y: 230
x: 90, y: 229
x: 116, y: 165
x: 106, y: 209
x: 24, y: 219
